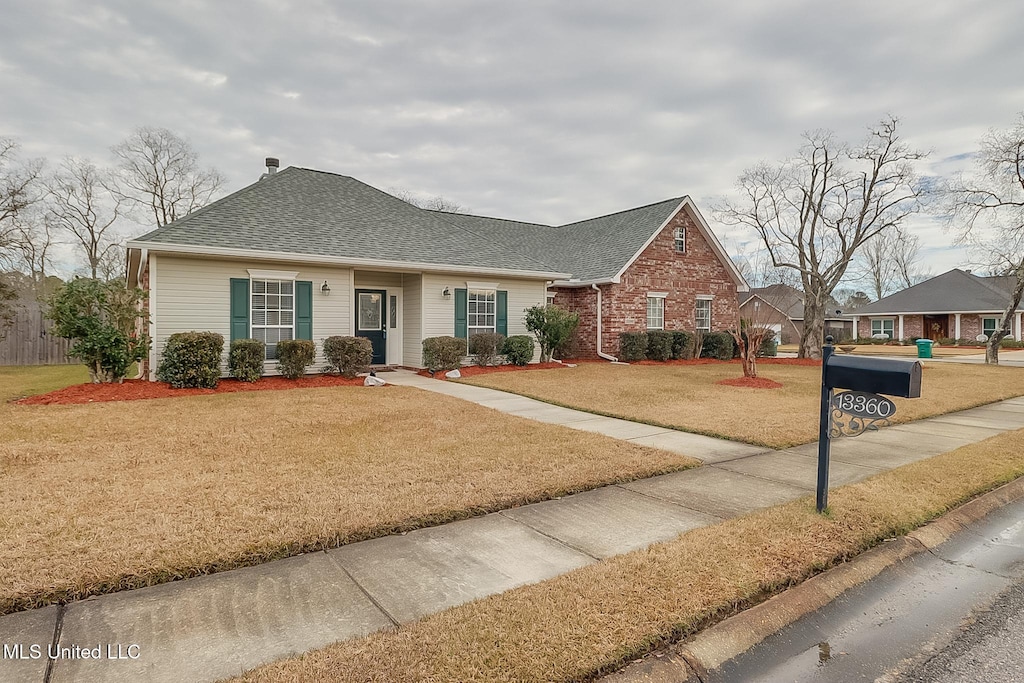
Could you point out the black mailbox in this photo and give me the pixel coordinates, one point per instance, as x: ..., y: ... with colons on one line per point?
x: 874, y: 375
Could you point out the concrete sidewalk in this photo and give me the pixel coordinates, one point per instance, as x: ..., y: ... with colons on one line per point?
x: 215, y: 626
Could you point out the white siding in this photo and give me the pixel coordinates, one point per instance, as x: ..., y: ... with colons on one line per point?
x: 195, y: 294
x: 412, y: 320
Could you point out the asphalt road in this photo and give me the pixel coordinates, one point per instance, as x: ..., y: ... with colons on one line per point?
x: 990, y: 647
x: 953, y: 614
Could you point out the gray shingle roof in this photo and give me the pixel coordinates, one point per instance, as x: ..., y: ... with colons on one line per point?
x: 952, y: 292
x: 787, y: 299
x: 593, y: 249
x: 303, y: 211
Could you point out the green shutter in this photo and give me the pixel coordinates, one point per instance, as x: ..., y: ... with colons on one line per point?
x: 239, y: 308
x: 460, y: 313
x: 502, y: 321
x: 304, y: 310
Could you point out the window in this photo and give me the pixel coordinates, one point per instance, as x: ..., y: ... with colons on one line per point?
x: 273, y: 313
x: 703, y: 314
x: 550, y: 299
x: 393, y: 322
x: 655, y: 312
x: 989, y: 326
x: 680, y: 236
x: 480, y: 310
x: 881, y: 326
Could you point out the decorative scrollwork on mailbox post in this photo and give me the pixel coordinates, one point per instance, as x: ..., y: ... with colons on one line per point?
x: 856, y: 412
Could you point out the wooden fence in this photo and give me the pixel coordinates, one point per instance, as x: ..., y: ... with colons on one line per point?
x: 27, y: 341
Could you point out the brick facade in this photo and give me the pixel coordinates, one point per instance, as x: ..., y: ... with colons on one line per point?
x: 659, y: 268
x: 913, y: 325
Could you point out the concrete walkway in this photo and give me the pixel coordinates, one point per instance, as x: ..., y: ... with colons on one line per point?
x: 211, y: 627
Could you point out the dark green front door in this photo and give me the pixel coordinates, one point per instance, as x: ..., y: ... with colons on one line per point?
x: 371, y: 321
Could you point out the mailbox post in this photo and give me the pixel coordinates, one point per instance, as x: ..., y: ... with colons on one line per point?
x: 860, y: 408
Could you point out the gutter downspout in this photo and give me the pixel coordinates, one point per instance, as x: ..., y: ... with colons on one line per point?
x: 613, y: 359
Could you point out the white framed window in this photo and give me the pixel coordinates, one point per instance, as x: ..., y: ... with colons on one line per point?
x: 481, y: 310
x: 702, y: 314
x: 989, y: 326
x: 882, y: 326
x: 550, y: 299
x: 680, y: 239
x: 655, y: 311
x: 272, y: 312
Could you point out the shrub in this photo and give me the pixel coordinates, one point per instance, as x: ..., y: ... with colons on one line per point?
x: 99, y: 318
x: 441, y: 354
x: 571, y: 347
x: 518, y: 349
x: 191, y: 360
x: 245, y: 359
x: 348, y: 356
x: 552, y: 325
x: 682, y: 345
x: 718, y: 345
x: 294, y: 356
x: 659, y: 345
x: 486, y: 346
x: 945, y: 341
x: 1010, y: 343
x: 632, y: 346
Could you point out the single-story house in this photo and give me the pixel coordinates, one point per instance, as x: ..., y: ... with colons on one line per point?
x: 954, y: 305
x: 781, y: 308
x: 308, y: 254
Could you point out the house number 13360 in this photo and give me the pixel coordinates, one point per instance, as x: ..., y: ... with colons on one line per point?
x: 864, y: 404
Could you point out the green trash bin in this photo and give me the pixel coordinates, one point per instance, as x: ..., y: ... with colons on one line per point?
x: 924, y: 348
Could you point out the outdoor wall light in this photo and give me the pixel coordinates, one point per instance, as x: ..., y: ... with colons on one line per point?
x: 325, y: 289
x: 447, y: 293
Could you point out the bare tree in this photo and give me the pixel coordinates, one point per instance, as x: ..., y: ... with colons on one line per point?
x: 815, y: 211
x: 158, y: 173
x: 889, y: 261
x: 81, y: 205
x: 33, y: 238
x: 436, y: 203
x: 18, y: 187
x: 987, y: 209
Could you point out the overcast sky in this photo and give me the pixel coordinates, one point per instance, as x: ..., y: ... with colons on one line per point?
x: 539, y: 111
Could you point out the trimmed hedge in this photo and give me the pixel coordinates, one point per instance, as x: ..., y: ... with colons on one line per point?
x: 348, y: 356
x: 682, y: 345
x: 659, y: 345
x: 441, y: 354
x: 294, y: 356
x: 1010, y: 343
x: 632, y: 346
x: 191, y: 360
x: 718, y: 345
x: 518, y: 349
x: 245, y: 359
x: 486, y: 347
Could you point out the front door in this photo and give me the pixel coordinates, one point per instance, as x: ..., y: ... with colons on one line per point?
x: 371, y: 322
x: 936, y: 327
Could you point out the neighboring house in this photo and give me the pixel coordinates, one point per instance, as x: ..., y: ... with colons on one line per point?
x: 781, y: 308
x: 308, y: 254
x: 954, y: 305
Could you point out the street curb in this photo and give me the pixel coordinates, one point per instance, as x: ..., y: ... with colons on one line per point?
x: 690, y: 661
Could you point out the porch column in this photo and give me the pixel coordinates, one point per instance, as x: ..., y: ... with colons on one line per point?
x: 856, y: 326
x: 1020, y: 337
x: 956, y: 333
x: 901, y: 328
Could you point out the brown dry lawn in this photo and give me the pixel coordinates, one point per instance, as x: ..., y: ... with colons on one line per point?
x: 686, y: 396
x: 595, y: 619
x: 102, y: 497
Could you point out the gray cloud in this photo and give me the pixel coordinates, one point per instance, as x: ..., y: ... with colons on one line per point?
x: 543, y: 111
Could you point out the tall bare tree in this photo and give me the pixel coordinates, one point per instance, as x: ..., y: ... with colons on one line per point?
x: 31, y: 249
x: 158, y: 174
x: 436, y: 203
x: 18, y: 191
x: 987, y: 210
x: 81, y: 205
x: 815, y: 210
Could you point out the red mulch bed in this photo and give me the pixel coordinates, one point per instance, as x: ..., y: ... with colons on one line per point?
x: 751, y: 383
x: 474, y: 370
x: 137, y: 389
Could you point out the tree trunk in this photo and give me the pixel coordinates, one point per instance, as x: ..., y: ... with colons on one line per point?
x: 992, y: 347
x: 813, y: 333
